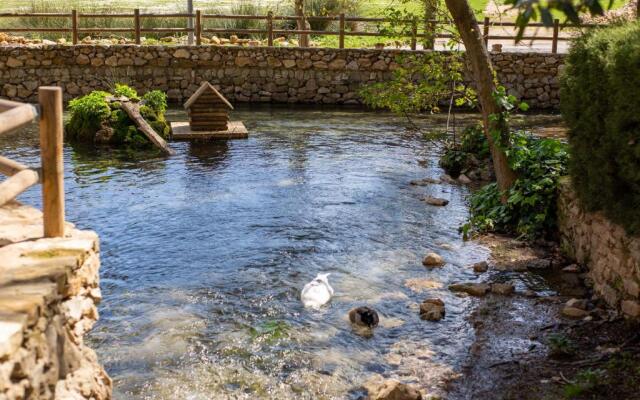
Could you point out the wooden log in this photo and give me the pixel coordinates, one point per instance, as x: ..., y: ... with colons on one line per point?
x: 18, y: 183
x: 16, y: 117
x: 10, y: 167
x: 50, y: 99
x: 133, y: 110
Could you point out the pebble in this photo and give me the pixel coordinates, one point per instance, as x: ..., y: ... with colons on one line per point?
x: 573, y: 312
x: 436, y: 201
x: 504, y: 289
x: 424, y: 181
x: 432, y: 310
x: 573, y: 268
x: 473, y: 289
x: 432, y: 260
x: 464, y: 179
x: 480, y: 267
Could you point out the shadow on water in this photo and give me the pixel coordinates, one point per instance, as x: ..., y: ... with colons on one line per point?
x: 204, y: 255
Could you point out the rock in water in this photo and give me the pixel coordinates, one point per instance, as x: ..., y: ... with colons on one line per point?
x: 504, y: 289
x: 364, y: 316
x: 318, y: 292
x: 392, y: 389
x: 432, y: 310
x: 432, y: 260
x: 473, y: 289
x: 424, y: 181
x: 436, y: 201
x: 480, y: 267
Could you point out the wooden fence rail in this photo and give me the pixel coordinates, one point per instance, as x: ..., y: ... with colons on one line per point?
x: 199, y: 29
x: 14, y: 115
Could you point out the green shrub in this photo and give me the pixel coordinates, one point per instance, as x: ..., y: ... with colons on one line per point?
x: 87, y: 114
x: 531, y: 203
x: 91, y: 113
x: 601, y: 105
x: 126, y: 91
x: 157, y: 100
x: 474, y: 141
x: 458, y: 154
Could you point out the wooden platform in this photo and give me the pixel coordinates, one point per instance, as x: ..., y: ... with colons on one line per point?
x: 182, y: 131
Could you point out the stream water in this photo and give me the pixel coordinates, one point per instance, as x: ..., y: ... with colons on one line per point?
x: 204, y: 255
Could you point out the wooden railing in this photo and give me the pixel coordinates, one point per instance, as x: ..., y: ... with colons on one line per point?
x: 137, y: 28
x: 15, y: 115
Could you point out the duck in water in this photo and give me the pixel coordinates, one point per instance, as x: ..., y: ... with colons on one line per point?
x: 318, y: 292
x: 365, y: 317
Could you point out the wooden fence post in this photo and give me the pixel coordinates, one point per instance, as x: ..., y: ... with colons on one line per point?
x: 136, y: 16
x: 341, y: 37
x: 556, y: 32
x: 414, y: 35
x: 270, y: 28
x: 74, y: 26
x: 486, y: 32
x: 50, y: 99
x: 198, y: 27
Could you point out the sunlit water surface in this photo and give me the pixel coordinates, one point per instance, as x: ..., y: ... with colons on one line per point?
x: 204, y: 255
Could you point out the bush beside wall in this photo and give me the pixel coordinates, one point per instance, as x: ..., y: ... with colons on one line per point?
x: 600, y: 91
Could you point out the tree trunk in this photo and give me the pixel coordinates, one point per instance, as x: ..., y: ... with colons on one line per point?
x: 478, y: 58
x: 301, y: 23
x: 430, y: 14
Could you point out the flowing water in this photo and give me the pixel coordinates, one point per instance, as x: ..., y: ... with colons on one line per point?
x: 204, y: 255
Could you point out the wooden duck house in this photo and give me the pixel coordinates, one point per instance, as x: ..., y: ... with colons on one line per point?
x: 208, y: 112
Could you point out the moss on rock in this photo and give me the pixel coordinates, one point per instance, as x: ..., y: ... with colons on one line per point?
x: 96, y: 119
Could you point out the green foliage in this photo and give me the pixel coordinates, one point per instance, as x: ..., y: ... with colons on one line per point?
x: 532, y: 10
x: 584, y: 382
x: 561, y: 346
x: 420, y: 83
x: 453, y: 161
x: 270, y: 331
x: 530, y: 206
x: 474, y: 141
x: 126, y: 91
x: 87, y: 114
x: 458, y: 154
x: 601, y: 106
x: 329, y: 8
x: 157, y: 100
x: 92, y: 113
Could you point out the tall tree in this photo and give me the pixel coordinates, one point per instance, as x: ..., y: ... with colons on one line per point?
x: 477, y: 57
x: 301, y: 23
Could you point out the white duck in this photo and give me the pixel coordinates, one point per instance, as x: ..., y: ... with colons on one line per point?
x: 318, y: 292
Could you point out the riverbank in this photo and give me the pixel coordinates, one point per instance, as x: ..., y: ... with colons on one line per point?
x: 527, y: 347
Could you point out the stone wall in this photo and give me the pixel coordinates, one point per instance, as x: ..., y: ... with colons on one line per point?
x: 48, y: 296
x: 256, y: 74
x: 611, y: 256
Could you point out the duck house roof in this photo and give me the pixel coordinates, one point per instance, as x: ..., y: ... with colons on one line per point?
x: 206, y: 86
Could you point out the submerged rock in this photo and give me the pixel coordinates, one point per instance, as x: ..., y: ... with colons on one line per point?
x: 432, y: 310
x: 433, y: 260
x: 391, y: 389
x: 471, y: 288
x: 504, y: 289
x: 436, y: 201
x: 480, y: 267
x: 424, y: 182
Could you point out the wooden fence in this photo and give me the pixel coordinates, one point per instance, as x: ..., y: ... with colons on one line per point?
x: 198, y: 27
x: 15, y: 115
